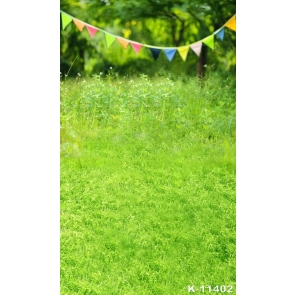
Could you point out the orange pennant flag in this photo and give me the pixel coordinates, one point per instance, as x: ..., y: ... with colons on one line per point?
x: 80, y: 25
x: 123, y: 42
x: 231, y: 24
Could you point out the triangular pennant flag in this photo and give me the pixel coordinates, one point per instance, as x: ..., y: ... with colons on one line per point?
x: 110, y: 39
x: 80, y: 25
x: 197, y: 48
x: 66, y: 19
x: 220, y: 34
x: 136, y: 47
x: 170, y: 53
x: 209, y: 41
x: 183, y: 51
x: 91, y: 30
x: 155, y: 52
x: 231, y: 24
x: 123, y: 42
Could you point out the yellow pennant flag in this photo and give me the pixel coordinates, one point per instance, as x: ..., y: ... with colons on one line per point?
x: 183, y: 50
x: 231, y: 24
x: 80, y: 25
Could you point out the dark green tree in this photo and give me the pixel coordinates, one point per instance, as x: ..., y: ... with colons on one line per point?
x: 181, y: 22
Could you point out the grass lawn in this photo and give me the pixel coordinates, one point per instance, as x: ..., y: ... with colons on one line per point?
x: 148, y: 185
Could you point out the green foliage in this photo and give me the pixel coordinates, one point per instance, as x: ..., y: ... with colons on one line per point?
x: 158, y: 23
x: 147, y: 193
x: 110, y: 101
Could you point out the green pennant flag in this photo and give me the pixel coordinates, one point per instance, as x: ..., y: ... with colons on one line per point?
x: 66, y: 19
x: 110, y: 39
x: 209, y: 41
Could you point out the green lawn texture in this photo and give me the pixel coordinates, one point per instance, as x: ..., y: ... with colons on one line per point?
x: 147, y: 185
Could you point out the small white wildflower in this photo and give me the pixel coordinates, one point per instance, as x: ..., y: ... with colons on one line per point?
x: 110, y: 67
x: 79, y: 74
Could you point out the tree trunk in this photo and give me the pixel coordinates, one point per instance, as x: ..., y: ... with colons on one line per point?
x: 202, y: 60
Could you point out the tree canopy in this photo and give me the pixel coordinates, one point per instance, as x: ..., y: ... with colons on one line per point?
x: 155, y: 22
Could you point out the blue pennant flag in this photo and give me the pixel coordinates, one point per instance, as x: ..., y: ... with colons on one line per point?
x: 220, y: 34
x: 155, y: 52
x: 170, y: 53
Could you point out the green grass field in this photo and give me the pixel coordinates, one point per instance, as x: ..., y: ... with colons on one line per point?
x: 148, y: 186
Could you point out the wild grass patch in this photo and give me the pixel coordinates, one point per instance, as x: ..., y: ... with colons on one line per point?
x: 147, y: 188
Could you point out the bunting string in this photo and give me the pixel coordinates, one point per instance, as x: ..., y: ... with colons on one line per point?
x: 196, y: 47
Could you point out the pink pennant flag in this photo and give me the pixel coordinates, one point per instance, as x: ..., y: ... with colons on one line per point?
x: 197, y: 48
x: 136, y: 47
x: 91, y: 31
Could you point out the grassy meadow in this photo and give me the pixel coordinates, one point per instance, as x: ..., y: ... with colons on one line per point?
x: 148, y: 185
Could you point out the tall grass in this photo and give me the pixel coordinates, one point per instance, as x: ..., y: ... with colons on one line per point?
x: 147, y: 185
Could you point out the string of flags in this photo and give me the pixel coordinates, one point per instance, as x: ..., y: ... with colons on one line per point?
x: 155, y: 50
